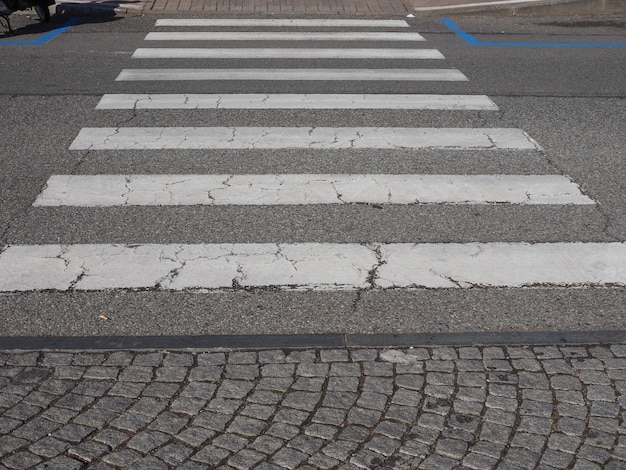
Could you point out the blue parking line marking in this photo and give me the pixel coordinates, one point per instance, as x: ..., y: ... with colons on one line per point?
x: 46, y: 37
x: 472, y: 41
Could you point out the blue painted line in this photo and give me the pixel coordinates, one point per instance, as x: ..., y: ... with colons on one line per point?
x: 46, y: 37
x: 472, y: 41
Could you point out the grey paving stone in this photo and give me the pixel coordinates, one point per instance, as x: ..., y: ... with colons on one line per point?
x: 22, y: 411
x: 94, y: 388
x: 188, y: 405
x: 211, y: 358
x: 599, y: 439
x: 301, y: 356
x: 267, y: 444
x: 211, y: 455
x: 147, y: 441
x: 161, y: 390
x: 62, y: 462
x: 322, y: 461
x: 23, y: 359
x: 404, y: 414
x: 230, y: 442
x: 571, y: 426
x: 440, y: 366
x: 207, y: 373
x: 361, y: 355
x: 171, y: 374
x: 406, y: 398
x: 10, y: 443
x: 169, y: 423
x: 136, y: 374
x: 96, y: 417
x: 8, y: 424
x: 245, y: 459
x: 242, y: 357
x: 593, y: 454
x: 131, y: 421
x: 258, y: 411
x: 74, y: 433
x: 150, y: 359
x: 123, y: 458
x: 198, y: 390
x: 573, y: 411
x: 383, y: 445
x: 535, y: 424
x: 306, y: 444
x: 536, y: 408
x: 322, y: 431
x: 349, y: 384
x: 479, y: 461
x: 101, y: 372
x: 307, y: 401
x: 366, y: 459
x: 476, y: 394
x: 410, y: 381
x: 283, y: 431
x: 311, y: 384
x: 364, y: 416
x: 174, y: 454
x: 524, y: 458
x: 470, y: 352
x: 438, y: 462
x: 607, y: 425
x: 35, y: 429
x: 378, y: 384
x: 69, y: 372
x: 334, y: 355
x: 374, y: 401
x: 289, y: 458
x: 127, y: 389
x: 58, y: 415
x: 111, y: 437
x: 234, y: 388
x: 242, y: 371
x: 309, y: 369
x: 471, y: 379
x: 330, y: 416
x: 272, y: 356
x: 223, y: 405
x: 178, y: 360
x: 600, y: 393
x: 56, y: 359
x: 87, y: 451
x: 195, y: 436
x: 49, y: 447
x: 247, y: 426
x: 278, y: 370
x: 291, y: 416
x: 149, y: 406
x: 343, y: 400
x: 354, y: 433
x: 88, y: 359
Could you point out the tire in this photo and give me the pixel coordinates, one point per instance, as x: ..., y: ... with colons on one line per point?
x: 43, y: 12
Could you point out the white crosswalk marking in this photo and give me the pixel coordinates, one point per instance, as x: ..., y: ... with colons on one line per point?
x: 448, y: 75
x: 296, y: 101
x: 304, y: 266
x: 283, y: 53
x: 311, y: 266
x: 282, y: 36
x: 135, y: 138
x: 276, y: 22
x: 148, y: 190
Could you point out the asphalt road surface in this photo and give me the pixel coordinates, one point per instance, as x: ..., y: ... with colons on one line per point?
x: 341, y: 266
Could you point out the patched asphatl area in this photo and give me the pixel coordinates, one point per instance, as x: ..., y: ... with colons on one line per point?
x: 432, y: 408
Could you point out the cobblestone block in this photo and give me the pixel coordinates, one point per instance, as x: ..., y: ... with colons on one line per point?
x: 174, y: 454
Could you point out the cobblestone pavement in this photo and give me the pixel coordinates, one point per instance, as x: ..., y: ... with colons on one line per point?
x: 431, y: 408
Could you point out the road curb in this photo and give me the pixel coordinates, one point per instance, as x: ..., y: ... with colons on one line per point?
x: 299, y: 341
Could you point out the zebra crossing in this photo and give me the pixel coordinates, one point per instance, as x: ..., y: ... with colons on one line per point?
x: 307, y: 265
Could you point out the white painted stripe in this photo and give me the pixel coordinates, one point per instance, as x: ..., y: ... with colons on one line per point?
x: 478, y: 4
x: 299, y: 189
x: 283, y: 53
x: 449, y: 75
x: 241, y: 22
x: 314, y: 266
x: 282, y: 36
x: 297, y: 101
x: 131, y: 138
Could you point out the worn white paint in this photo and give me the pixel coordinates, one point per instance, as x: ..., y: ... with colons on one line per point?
x: 277, y: 22
x: 132, y: 138
x: 444, y: 75
x: 310, y: 266
x: 477, y: 4
x: 283, y: 53
x: 297, y: 101
x: 374, y: 36
x: 298, y: 189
